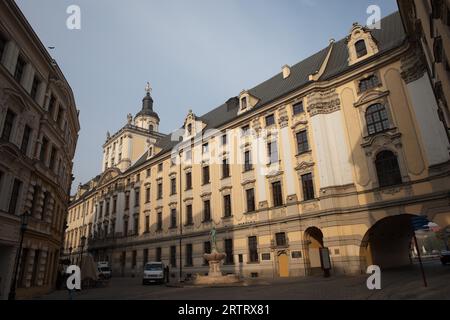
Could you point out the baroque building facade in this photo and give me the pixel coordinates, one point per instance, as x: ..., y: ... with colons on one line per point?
x: 427, y: 23
x: 335, y: 152
x: 38, y: 135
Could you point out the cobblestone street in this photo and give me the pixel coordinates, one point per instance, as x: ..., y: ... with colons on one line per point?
x: 396, y: 284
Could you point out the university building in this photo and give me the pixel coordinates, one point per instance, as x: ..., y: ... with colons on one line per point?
x: 38, y: 135
x: 338, y: 151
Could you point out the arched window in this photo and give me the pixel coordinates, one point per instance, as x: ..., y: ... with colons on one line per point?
x: 151, y: 128
x: 388, y: 170
x: 361, y: 49
x: 377, y: 119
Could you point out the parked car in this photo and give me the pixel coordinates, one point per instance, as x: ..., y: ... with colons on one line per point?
x: 154, y: 272
x: 445, y: 257
x: 104, y: 270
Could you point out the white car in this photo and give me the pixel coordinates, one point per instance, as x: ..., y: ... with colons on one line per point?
x: 154, y: 272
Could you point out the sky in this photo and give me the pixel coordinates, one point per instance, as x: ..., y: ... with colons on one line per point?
x: 196, y: 54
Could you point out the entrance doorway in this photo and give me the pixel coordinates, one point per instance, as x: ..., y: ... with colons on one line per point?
x: 314, y: 242
x: 283, y: 264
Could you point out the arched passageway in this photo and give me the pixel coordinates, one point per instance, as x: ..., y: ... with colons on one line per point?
x: 313, y: 243
x: 388, y: 243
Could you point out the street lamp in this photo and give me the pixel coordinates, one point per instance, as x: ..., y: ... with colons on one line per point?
x: 23, y: 228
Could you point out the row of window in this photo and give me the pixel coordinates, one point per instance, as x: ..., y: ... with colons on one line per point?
x: 18, y: 74
x: 6, y: 135
x: 253, y: 254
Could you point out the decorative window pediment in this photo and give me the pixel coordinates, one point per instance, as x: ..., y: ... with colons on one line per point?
x: 361, y: 44
x: 246, y: 102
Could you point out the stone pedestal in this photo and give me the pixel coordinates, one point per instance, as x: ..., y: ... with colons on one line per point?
x: 215, y: 276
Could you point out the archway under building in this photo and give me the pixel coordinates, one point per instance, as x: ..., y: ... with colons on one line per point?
x: 387, y: 243
x: 313, y: 242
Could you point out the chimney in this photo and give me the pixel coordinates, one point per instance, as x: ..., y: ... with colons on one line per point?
x: 286, y: 71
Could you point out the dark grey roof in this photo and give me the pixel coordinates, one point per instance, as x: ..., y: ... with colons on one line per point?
x: 390, y: 36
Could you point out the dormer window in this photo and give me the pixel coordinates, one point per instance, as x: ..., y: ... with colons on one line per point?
x: 361, y: 49
x: 244, y: 103
x: 360, y: 44
x: 189, y: 129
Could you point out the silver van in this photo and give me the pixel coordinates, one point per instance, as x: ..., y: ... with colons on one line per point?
x: 154, y: 272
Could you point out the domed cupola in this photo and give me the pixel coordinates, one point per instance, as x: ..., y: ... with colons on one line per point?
x: 147, y: 118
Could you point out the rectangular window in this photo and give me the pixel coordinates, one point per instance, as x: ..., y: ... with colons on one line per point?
x: 133, y: 260
x: 224, y: 140
x: 281, y: 239
x: 20, y: 66
x: 189, y: 217
x: 125, y: 228
x: 270, y: 120
x: 253, y: 249
x: 160, y: 190
x: 145, y: 256
x: 34, y: 272
x: 229, y: 251
x: 14, y: 196
x: 188, y: 181
x: 298, y: 108
x: 225, y: 169
x: 25, y: 139
x: 302, y: 142
x: 107, y: 207
x: 173, y: 218
x: 272, y: 152
x: 148, y: 172
x: 173, y: 256
x: 244, y: 103
x: 247, y: 161
x: 52, y: 158
x: 206, y: 249
x: 159, y: 222
x: 23, y: 265
x: 45, y: 205
x: 34, y: 204
x: 35, y: 87
x: 277, y: 194
x: 3, y: 43
x: 245, y: 130
x: 160, y: 167
x: 205, y: 148
x: 136, y: 225
x: 114, y: 207
x: 227, y: 206
x: 189, y: 262
x: 206, y: 210
x: 138, y: 177
x: 52, y: 107
x: 147, y: 224
x: 44, y: 147
x: 59, y: 115
x: 173, y: 186
x: 136, y: 197
x: 8, y: 126
x: 147, y: 195
x: 158, y: 254
x: 127, y: 201
x: 308, y: 187
x: 250, y: 200
x: 206, y: 178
